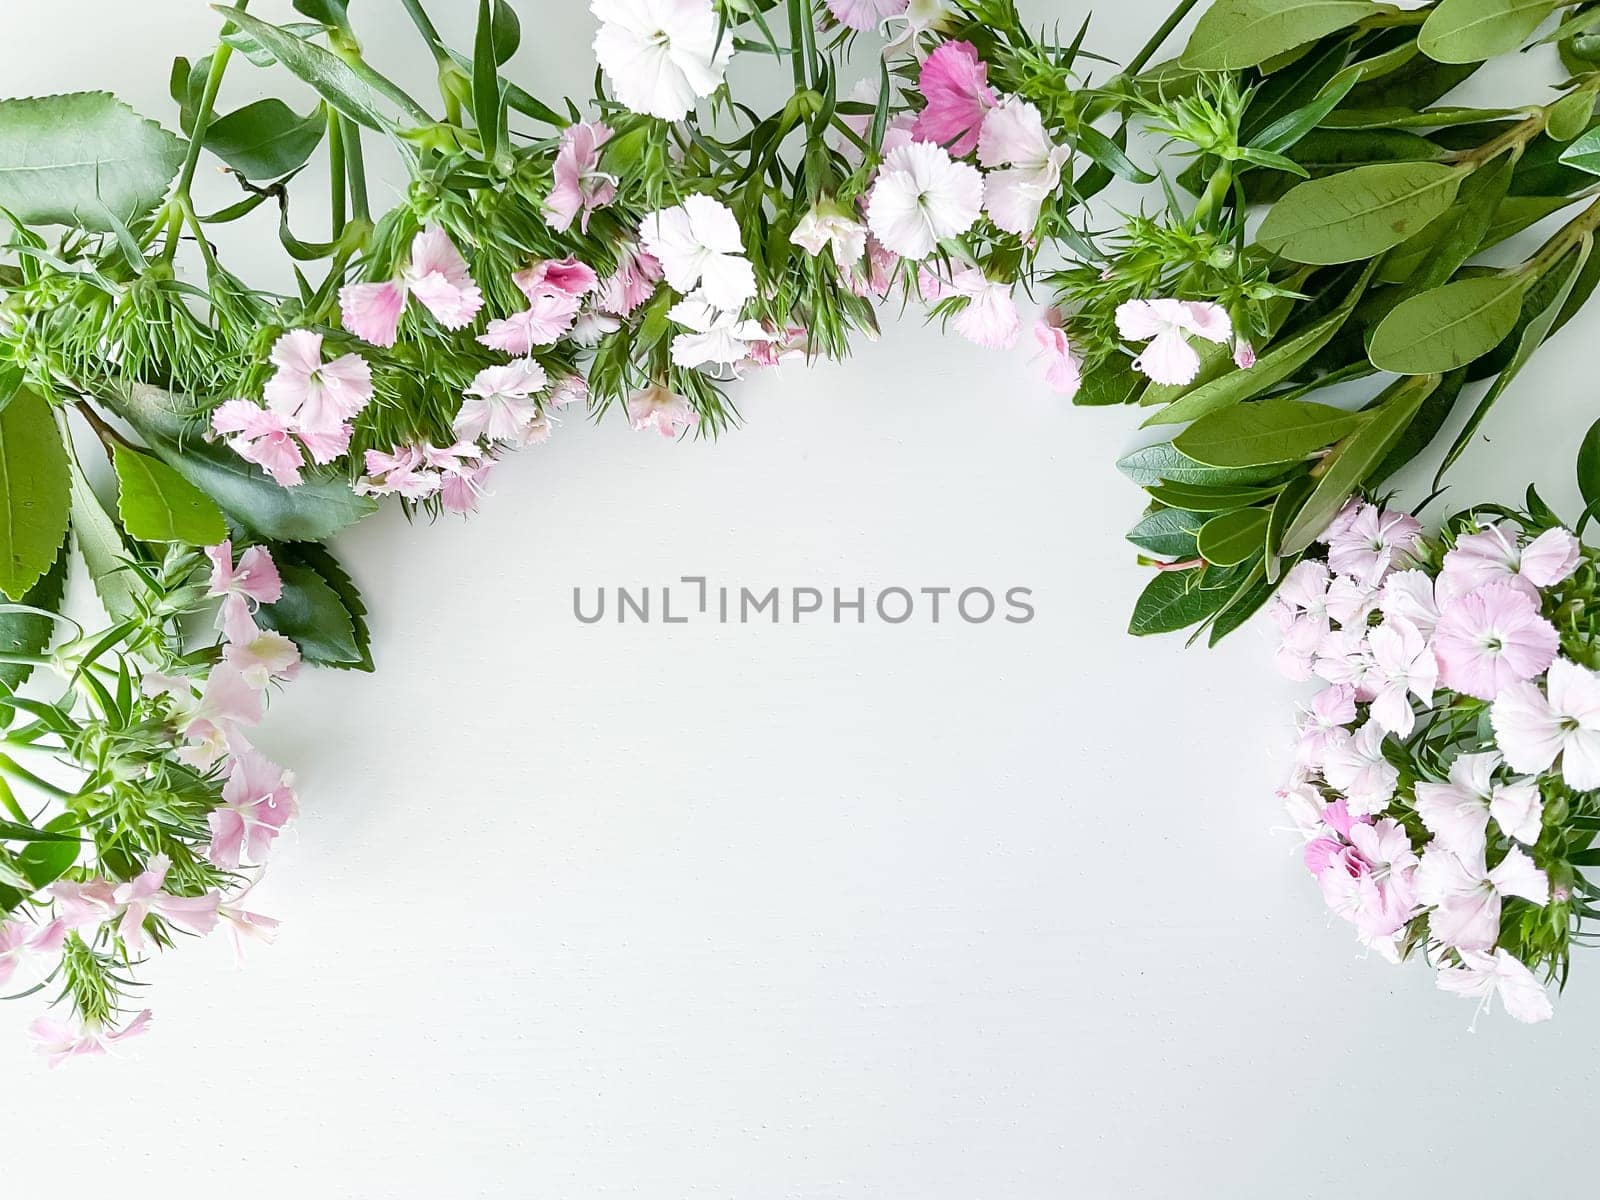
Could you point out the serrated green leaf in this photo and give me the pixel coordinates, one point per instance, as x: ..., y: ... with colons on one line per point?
x: 101, y: 545
x: 1359, y: 213
x: 1168, y: 531
x: 1234, y: 34
x: 34, y: 490
x: 28, y: 632
x: 313, y: 616
x: 82, y: 159
x: 157, y: 504
x: 1466, y: 31
x: 1230, y: 538
x: 1447, y: 327
x: 311, y: 512
x: 1266, y: 431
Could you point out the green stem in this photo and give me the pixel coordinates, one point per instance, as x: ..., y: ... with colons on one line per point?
x: 1559, y: 246
x: 1216, y: 189
x: 796, y: 44
x: 808, y: 40
x: 197, y: 138
x: 1158, y: 39
x: 356, y: 170
x: 9, y: 766
x: 336, y: 174
x: 427, y: 29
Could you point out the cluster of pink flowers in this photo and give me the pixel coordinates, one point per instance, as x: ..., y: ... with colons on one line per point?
x: 1396, y: 644
x: 257, y: 801
x: 309, y: 406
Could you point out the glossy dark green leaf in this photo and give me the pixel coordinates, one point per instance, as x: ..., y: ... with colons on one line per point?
x: 1168, y: 531
x: 1463, y: 31
x: 1353, y: 460
x: 1448, y: 327
x: 313, y: 616
x: 1174, y: 600
x: 1359, y: 213
x: 1112, y: 382
x: 1152, y: 465
x: 1589, y: 466
x: 267, y: 139
x: 1266, y: 431
x: 1199, y: 498
x: 1537, y: 324
x: 1234, y: 34
x: 311, y: 512
x: 34, y: 492
x: 1231, y: 538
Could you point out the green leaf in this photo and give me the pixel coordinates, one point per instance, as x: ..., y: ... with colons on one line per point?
x: 34, y: 489
x: 486, y: 83
x: 267, y: 139
x: 1570, y: 116
x: 83, y: 159
x: 317, y: 558
x: 1162, y: 462
x: 329, y: 12
x: 1351, y: 462
x: 1174, y: 600
x: 1449, y: 326
x: 1405, y: 118
x: 1267, y: 431
x: 159, y: 505
x: 1256, y: 590
x: 28, y: 632
x: 1465, y: 31
x: 1235, y: 34
x: 1584, y: 153
x: 312, y: 512
x: 15, y: 831
x: 313, y: 616
x: 1230, y: 538
x: 45, y: 861
x: 333, y: 78
x: 1589, y: 466
x: 1112, y: 382
x: 1284, y: 509
x: 1358, y: 213
x: 507, y: 32
x: 103, y: 550
x: 1536, y: 326
x: 1216, y: 360
x: 1202, y: 499
x: 1169, y: 531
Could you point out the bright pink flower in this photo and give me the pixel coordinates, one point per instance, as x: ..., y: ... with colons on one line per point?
x: 580, y: 186
x: 633, y: 282
x: 556, y: 277
x: 1491, y: 637
x: 60, y: 1042
x: 142, y: 897
x: 255, y: 580
x: 499, y: 405
x: 437, y: 276
x: 261, y: 436
x: 316, y: 396
x: 955, y: 84
x: 865, y: 14
x: 1167, y: 325
x: 1063, y: 371
x: 657, y: 408
x: 258, y: 800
